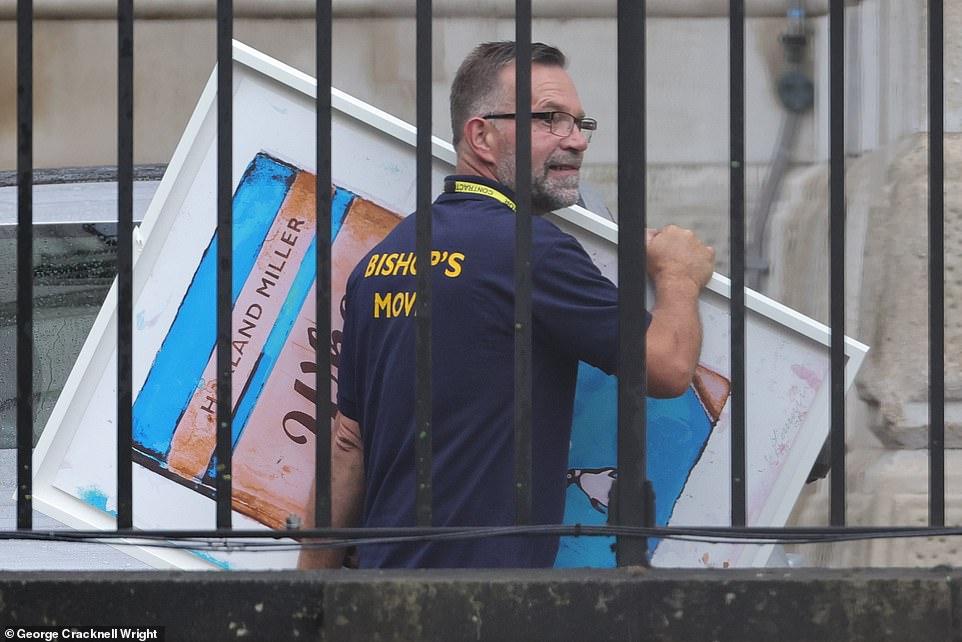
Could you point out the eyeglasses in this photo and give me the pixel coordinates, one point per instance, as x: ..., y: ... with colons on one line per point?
x: 561, y: 123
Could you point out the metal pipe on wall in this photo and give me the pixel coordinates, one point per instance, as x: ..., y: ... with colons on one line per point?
x: 796, y: 92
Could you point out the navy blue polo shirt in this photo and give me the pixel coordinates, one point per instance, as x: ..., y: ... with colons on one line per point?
x: 575, y: 312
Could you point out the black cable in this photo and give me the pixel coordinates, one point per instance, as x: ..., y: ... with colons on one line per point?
x: 279, y: 540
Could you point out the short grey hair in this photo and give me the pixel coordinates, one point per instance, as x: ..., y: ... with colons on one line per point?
x: 476, y: 90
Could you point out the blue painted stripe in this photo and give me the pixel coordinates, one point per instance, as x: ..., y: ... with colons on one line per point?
x: 180, y: 363
x: 340, y: 204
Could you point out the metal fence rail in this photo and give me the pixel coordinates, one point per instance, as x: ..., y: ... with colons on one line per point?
x: 24, y: 264
x: 736, y: 137
x: 936, y: 222
x: 322, y: 452
x: 125, y: 262
x: 634, y: 501
x: 837, y: 255
x: 633, y: 511
x: 424, y: 405
x: 225, y: 257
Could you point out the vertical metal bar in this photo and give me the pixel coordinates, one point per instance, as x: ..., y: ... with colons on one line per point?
x: 24, y: 264
x: 936, y: 269
x: 736, y: 117
x: 225, y: 244
x: 125, y: 217
x: 633, y: 496
x: 522, y: 265
x: 324, y: 410
x: 423, y: 404
x: 837, y: 252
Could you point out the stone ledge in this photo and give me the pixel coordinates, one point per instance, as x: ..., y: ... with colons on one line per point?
x: 624, y: 604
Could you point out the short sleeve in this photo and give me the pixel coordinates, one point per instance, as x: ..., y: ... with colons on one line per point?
x: 577, y: 305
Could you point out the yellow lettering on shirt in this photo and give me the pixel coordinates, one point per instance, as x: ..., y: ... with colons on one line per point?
x: 454, y: 265
x: 394, y: 304
x: 405, y: 263
x: 382, y: 303
x: 388, y: 265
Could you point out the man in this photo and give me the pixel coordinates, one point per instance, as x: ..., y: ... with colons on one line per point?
x: 574, y: 318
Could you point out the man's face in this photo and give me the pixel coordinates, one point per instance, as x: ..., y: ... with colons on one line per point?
x: 555, y: 160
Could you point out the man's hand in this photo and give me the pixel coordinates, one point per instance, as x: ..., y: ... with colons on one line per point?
x: 680, y: 265
x: 676, y: 254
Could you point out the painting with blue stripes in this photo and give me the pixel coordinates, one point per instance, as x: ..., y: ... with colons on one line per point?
x: 273, y: 344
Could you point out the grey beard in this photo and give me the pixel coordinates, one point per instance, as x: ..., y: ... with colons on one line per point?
x: 546, y: 194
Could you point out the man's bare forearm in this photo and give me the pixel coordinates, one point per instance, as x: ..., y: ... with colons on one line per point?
x: 680, y: 265
x: 673, y: 340
x: 347, y: 491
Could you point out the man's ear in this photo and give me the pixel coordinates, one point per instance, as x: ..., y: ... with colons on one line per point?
x: 479, y: 140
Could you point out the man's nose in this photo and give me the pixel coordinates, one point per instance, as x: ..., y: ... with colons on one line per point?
x: 575, y: 140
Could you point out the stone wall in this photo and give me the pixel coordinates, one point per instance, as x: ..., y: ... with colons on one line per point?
x: 887, y: 307
x: 498, y: 605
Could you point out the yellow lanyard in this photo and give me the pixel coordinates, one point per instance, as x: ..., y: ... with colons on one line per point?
x: 467, y: 187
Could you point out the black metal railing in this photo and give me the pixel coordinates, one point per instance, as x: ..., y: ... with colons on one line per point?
x: 424, y: 403
x: 225, y: 244
x: 24, y: 264
x: 936, y: 215
x: 632, y: 189
x: 322, y: 493
x: 634, y: 519
x: 125, y: 262
x: 737, y: 248
x: 836, y: 28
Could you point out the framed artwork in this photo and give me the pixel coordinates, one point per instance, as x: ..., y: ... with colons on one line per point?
x: 274, y: 341
x: 689, y: 438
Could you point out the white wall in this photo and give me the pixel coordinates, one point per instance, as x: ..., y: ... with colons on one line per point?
x: 75, y: 86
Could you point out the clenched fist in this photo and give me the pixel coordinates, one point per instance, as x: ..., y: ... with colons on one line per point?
x: 676, y: 257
